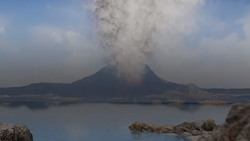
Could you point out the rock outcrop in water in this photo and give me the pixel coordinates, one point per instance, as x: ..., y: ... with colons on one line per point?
x: 187, y: 128
x: 236, y: 127
x: 10, y: 132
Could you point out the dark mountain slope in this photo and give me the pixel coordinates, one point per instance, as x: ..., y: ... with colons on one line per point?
x: 103, y: 83
x: 36, y: 88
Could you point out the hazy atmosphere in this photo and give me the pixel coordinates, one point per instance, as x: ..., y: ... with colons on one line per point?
x: 205, y: 42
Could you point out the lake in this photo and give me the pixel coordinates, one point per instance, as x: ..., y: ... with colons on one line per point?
x: 104, y: 122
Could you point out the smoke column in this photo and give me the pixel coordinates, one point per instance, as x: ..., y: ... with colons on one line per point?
x: 129, y: 29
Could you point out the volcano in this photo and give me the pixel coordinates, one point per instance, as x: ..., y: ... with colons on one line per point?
x: 103, y: 83
x: 106, y: 83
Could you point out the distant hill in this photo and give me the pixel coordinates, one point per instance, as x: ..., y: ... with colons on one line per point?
x: 228, y: 91
x: 105, y: 83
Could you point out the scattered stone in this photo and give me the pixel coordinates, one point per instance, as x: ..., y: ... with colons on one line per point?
x: 10, y: 132
x: 186, y: 129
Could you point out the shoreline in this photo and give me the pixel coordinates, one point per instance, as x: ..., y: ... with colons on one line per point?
x: 79, y: 100
x: 235, y: 128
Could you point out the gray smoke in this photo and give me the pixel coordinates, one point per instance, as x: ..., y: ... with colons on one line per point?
x: 129, y: 29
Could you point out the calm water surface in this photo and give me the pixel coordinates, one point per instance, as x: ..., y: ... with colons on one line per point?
x: 104, y: 122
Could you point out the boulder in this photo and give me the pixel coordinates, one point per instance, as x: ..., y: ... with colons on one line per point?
x: 236, y: 127
x: 10, y: 132
x: 208, y: 125
x: 144, y: 127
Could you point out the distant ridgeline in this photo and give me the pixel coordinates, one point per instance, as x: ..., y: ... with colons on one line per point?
x: 105, y: 86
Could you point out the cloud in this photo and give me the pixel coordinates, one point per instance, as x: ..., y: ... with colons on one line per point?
x: 55, y: 36
x: 51, y: 34
x: 75, y: 43
x: 63, y: 38
x: 2, y: 29
x: 55, y: 50
x: 246, y: 27
x: 231, y: 48
x: 211, y: 61
x: 50, y: 54
x: 75, y: 39
x: 3, y: 23
x: 228, y: 57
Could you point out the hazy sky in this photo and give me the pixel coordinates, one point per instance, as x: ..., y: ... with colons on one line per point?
x: 56, y: 41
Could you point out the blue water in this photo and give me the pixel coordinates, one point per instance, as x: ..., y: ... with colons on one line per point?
x: 104, y: 122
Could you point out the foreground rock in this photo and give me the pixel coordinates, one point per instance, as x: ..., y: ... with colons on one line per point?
x: 9, y: 132
x: 186, y: 129
x: 236, y: 127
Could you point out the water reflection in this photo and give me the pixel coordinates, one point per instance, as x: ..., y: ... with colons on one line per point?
x: 96, y: 121
x: 33, y: 105
x: 147, y: 136
x: 189, y: 107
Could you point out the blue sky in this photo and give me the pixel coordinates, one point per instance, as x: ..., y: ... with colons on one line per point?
x: 56, y: 41
x: 68, y: 14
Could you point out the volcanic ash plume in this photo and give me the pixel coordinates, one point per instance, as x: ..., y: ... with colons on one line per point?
x: 129, y: 28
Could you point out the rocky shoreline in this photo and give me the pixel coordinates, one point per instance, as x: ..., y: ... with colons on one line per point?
x: 10, y: 132
x: 235, y: 128
x: 187, y: 129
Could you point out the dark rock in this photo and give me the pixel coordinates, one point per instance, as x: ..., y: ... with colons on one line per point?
x: 208, y: 125
x: 9, y: 132
x: 186, y: 129
x: 236, y: 128
x: 143, y: 127
x: 196, y: 133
